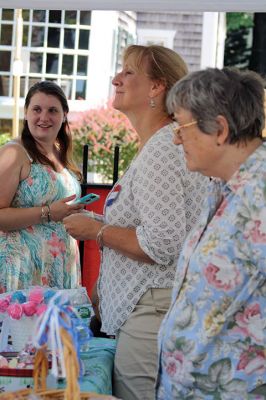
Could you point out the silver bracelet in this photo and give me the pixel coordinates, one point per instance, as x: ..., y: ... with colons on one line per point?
x: 45, y: 214
x: 99, y: 237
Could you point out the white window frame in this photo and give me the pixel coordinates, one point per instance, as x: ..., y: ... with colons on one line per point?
x: 163, y: 37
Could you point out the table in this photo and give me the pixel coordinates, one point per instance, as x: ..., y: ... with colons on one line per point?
x: 98, y: 365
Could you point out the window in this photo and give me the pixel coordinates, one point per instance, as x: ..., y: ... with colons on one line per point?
x: 55, y: 46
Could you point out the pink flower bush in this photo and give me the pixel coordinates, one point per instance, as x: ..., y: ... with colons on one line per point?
x: 102, y: 129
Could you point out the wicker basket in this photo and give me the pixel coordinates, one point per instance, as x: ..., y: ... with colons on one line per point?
x: 71, y: 392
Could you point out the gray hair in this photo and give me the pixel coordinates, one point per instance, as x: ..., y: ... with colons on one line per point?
x: 236, y: 95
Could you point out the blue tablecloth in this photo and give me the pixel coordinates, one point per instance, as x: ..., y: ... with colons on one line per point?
x: 98, y: 366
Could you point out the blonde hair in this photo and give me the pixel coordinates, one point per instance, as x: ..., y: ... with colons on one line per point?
x: 164, y: 64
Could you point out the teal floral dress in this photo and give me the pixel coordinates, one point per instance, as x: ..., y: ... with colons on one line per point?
x: 212, y: 342
x: 42, y: 254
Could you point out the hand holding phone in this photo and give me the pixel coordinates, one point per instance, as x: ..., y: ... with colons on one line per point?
x: 88, y: 199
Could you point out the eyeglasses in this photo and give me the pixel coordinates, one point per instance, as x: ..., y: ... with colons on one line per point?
x: 177, y: 129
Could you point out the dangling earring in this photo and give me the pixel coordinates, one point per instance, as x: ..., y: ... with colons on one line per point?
x: 152, y: 103
x: 64, y: 119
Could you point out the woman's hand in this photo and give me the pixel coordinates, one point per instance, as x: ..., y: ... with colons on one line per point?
x: 60, y: 209
x: 81, y: 226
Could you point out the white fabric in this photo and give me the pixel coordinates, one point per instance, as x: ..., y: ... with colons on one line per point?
x: 163, y: 201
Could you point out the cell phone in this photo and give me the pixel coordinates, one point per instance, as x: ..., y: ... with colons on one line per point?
x: 88, y: 199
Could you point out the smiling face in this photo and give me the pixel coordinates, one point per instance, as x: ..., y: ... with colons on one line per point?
x: 44, y: 116
x: 132, y: 87
x: 201, y: 150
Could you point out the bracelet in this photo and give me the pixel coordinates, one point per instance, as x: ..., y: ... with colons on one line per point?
x: 99, y: 237
x: 45, y: 214
x: 48, y: 213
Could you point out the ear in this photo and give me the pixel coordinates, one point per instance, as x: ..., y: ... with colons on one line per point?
x: 157, y: 87
x: 222, y: 130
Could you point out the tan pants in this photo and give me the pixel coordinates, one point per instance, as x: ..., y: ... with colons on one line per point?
x: 135, y: 367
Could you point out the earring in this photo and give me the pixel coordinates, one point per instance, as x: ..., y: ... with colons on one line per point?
x: 64, y: 119
x: 152, y: 103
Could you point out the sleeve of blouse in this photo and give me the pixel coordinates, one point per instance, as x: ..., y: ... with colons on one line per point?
x: 160, y: 181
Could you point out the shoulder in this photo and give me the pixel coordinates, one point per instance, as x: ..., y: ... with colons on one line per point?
x: 13, y: 152
x: 161, y: 145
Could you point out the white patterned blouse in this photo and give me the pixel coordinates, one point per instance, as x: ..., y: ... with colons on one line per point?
x: 163, y: 200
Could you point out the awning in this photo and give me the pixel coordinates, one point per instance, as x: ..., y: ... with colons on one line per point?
x: 140, y: 5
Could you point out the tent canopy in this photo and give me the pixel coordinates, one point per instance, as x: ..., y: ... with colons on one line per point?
x: 140, y: 5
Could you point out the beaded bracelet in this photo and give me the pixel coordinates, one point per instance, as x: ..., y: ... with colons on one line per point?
x: 99, y: 237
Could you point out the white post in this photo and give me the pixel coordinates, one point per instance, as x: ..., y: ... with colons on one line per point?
x: 17, y: 71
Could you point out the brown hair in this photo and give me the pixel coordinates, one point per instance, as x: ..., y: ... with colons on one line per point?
x: 164, y: 64
x: 63, y: 140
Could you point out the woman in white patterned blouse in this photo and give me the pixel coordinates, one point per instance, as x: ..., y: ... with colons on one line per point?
x: 146, y: 219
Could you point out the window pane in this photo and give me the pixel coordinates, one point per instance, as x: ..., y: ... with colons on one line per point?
x: 66, y: 85
x: 36, y: 62
x: 4, y: 85
x: 55, y: 16
x: 7, y: 14
x: 6, y: 35
x: 80, y: 89
x: 69, y: 40
x: 5, y: 57
x: 22, y: 87
x: 26, y: 15
x: 37, y: 36
x: 82, y: 65
x: 85, y: 17
x: 84, y: 39
x: 25, y: 35
x: 67, y: 65
x: 52, y: 64
x: 38, y: 15
x: 32, y: 81
x: 70, y: 17
x: 53, y: 37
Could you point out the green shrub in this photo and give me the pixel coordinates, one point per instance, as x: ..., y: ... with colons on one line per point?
x: 4, y: 138
x: 102, y: 129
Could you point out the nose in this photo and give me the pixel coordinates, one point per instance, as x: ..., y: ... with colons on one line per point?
x: 116, y: 81
x: 44, y: 115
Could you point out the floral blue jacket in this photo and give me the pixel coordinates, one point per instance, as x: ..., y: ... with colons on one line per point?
x: 212, y: 342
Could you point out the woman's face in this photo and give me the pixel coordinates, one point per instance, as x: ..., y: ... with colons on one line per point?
x: 200, y: 149
x: 45, y: 116
x: 132, y: 87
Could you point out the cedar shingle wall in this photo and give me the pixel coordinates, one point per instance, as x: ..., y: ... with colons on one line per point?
x: 188, y: 27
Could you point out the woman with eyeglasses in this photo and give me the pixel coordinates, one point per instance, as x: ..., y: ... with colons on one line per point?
x: 212, y: 342
x: 146, y: 219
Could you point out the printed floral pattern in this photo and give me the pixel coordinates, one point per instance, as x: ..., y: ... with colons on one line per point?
x: 213, y: 339
x: 42, y: 254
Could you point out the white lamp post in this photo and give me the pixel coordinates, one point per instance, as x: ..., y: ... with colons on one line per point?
x: 17, y: 69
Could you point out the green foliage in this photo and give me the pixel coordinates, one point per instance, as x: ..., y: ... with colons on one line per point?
x: 237, y: 20
x: 4, y: 138
x: 102, y: 129
x: 238, y: 40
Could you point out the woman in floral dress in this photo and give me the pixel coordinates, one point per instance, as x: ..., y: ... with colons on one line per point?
x: 213, y: 339
x: 37, y: 180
